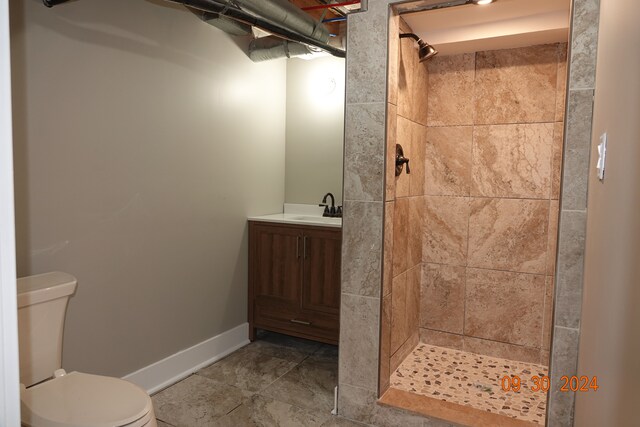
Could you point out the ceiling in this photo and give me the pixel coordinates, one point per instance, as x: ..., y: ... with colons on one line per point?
x: 338, y: 28
x: 503, y: 24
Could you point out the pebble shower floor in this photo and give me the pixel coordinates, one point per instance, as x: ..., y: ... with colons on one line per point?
x: 474, y: 380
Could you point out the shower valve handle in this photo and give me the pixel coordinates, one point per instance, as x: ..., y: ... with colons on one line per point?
x: 401, y: 160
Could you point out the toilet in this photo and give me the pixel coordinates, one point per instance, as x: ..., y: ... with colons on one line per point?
x: 49, y: 396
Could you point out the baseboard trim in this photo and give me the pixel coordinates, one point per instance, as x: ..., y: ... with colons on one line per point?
x: 180, y: 365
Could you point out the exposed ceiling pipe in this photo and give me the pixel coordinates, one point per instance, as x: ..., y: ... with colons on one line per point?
x: 276, y: 28
x: 281, y: 12
x: 277, y: 23
x: 228, y: 25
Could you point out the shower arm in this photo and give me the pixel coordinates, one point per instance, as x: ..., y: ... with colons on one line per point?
x: 410, y: 36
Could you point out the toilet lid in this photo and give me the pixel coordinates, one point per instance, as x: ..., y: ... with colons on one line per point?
x: 84, y: 400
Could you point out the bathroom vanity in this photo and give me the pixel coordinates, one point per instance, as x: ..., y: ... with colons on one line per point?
x: 294, y: 276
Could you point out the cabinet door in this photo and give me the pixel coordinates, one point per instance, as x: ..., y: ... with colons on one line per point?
x: 321, y: 271
x: 275, y: 270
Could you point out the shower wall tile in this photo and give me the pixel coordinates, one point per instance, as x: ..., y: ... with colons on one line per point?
x: 508, y: 234
x: 568, y: 301
x: 416, y: 227
x: 367, y: 60
x: 445, y: 230
x: 561, y: 85
x: 385, y: 344
x: 448, y: 161
x: 399, y: 318
x: 516, y: 85
x: 362, y: 240
x: 510, y: 225
x: 442, y: 298
x: 552, y: 240
x: 412, y: 137
x: 586, y: 14
x: 359, y: 341
x: 502, y: 350
x: 387, y: 260
x: 414, y: 277
x: 405, y: 308
x: 577, y: 150
x: 547, y: 325
x: 512, y: 160
x: 482, y: 346
x: 364, y: 158
x: 417, y: 160
x: 412, y: 80
x: 390, y: 155
x: 366, y: 84
x: 406, y: 129
x: 504, y: 306
x: 400, y: 236
x: 394, y: 57
x: 441, y: 339
x: 545, y: 357
x: 556, y: 159
x: 451, y: 86
x: 565, y: 358
x: 405, y: 349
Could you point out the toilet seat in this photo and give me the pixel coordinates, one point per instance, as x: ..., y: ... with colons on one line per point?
x: 83, y: 400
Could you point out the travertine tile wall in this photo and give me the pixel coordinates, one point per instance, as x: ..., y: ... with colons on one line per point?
x: 366, y: 101
x: 404, y: 202
x: 493, y: 153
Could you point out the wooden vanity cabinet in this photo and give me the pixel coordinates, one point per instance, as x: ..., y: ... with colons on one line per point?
x: 294, y: 280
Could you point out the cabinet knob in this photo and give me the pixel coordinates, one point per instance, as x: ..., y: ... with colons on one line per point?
x: 300, y: 322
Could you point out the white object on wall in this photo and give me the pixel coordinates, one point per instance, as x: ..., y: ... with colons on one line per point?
x: 602, y: 155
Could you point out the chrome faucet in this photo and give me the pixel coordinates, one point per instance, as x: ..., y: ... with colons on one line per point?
x: 330, y: 211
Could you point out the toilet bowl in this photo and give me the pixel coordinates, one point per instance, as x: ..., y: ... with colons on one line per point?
x: 49, y: 396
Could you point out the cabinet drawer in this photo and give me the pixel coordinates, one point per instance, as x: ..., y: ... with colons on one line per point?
x: 312, y: 325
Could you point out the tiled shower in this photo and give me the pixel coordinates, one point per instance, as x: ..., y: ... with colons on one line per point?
x: 470, y: 234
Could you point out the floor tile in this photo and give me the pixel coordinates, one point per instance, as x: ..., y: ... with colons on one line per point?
x: 265, y: 412
x: 341, y: 422
x: 284, y: 346
x: 196, y: 401
x: 327, y: 352
x: 163, y: 424
x: 250, y: 368
x: 309, y: 385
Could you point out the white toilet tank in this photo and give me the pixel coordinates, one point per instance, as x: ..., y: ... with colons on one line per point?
x: 42, y: 305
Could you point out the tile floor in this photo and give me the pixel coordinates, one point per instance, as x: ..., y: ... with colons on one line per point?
x: 275, y: 381
x: 473, y: 380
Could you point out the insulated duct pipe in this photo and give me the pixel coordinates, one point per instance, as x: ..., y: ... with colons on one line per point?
x: 271, y: 47
x: 281, y: 12
x: 277, y: 28
x: 271, y: 24
x: 228, y: 25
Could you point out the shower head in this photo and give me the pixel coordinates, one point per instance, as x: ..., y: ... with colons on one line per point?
x: 425, y: 51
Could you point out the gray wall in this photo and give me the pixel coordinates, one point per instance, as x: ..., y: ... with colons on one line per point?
x: 610, y: 337
x: 315, y: 129
x: 128, y: 115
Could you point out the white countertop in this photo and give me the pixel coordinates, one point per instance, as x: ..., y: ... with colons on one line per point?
x: 287, y: 218
x: 300, y: 215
